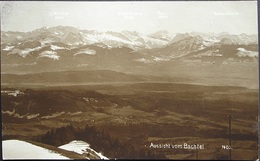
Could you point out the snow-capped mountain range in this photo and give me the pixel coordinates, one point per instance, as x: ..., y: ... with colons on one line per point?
x: 68, y: 48
x: 131, y: 39
x: 74, y: 37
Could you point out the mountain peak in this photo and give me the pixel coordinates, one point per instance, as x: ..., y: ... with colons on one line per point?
x: 179, y: 37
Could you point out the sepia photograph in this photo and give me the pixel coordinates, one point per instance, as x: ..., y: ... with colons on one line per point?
x: 175, y: 80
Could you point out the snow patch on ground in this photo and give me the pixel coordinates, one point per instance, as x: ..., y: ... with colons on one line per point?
x: 242, y: 52
x: 54, y: 47
x: 25, y: 52
x: 32, y: 116
x: 81, y: 147
x: 8, y: 48
x: 14, y: 93
x: 49, y: 54
x: 59, y: 33
x: 143, y: 60
x: 157, y: 59
x: 74, y: 113
x: 17, y: 115
x: 53, y: 115
x: 9, y: 112
x: 76, y: 146
x: 82, y: 65
x: 86, y: 51
x: 16, y: 149
x: 45, y: 42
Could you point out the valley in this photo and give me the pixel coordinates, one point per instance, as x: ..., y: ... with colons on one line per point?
x: 139, y: 114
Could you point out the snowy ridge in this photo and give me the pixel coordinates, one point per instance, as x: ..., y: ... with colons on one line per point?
x: 16, y: 149
x: 75, y: 146
x: 132, y: 39
x: 163, y: 35
x: 108, y: 39
x: 64, y: 39
x: 24, y: 52
x: 82, y: 148
x: 146, y: 41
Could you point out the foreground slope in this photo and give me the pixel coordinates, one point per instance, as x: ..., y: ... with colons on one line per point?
x: 82, y: 148
x: 17, y: 149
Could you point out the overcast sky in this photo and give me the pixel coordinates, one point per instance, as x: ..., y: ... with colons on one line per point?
x: 145, y: 17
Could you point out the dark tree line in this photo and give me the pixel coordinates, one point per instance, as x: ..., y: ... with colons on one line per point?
x: 99, y: 140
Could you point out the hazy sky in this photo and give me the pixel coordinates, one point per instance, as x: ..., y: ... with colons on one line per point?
x: 145, y: 17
